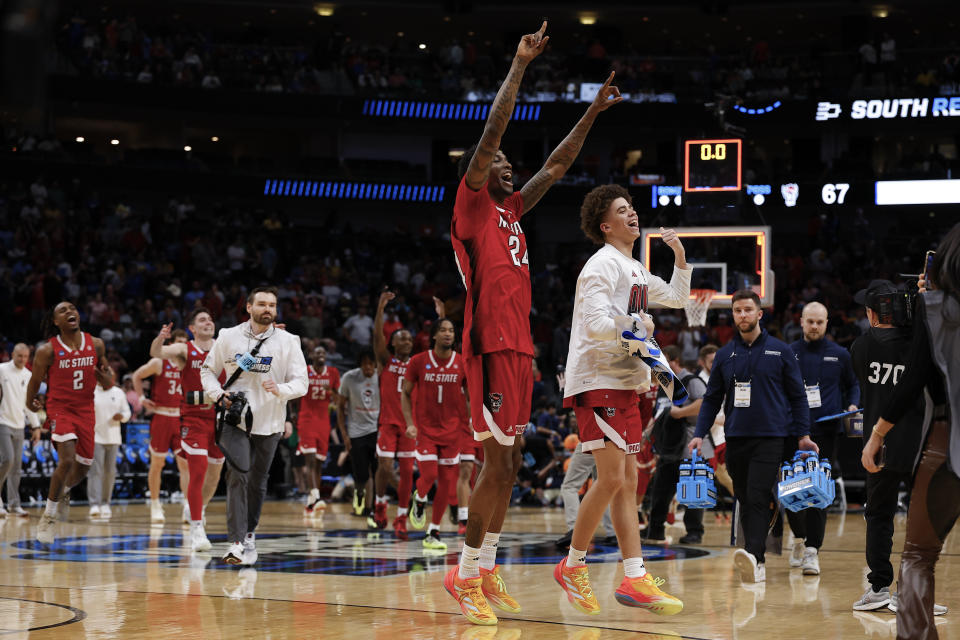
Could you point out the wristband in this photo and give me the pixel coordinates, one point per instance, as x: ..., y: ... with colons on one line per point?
x: 878, y: 432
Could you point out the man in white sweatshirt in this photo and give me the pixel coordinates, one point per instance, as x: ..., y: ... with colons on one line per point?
x: 276, y: 373
x: 111, y: 409
x: 603, y: 378
x: 14, y: 377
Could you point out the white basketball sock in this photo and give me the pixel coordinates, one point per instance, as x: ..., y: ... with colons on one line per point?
x: 51, y: 509
x: 576, y: 557
x: 462, y: 513
x: 469, y: 562
x: 633, y: 567
x: 488, y: 551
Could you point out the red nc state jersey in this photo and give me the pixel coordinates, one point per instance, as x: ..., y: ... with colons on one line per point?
x: 166, y: 390
x: 491, y: 253
x: 391, y: 387
x: 191, y: 381
x: 72, y: 378
x: 439, y: 403
x: 315, y: 406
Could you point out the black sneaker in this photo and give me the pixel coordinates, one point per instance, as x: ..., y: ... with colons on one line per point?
x: 609, y: 541
x: 654, y: 535
x: 692, y: 538
x: 564, y: 542
x: 453, y: 514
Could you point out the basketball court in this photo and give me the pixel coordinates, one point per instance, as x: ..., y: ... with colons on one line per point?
x: 328, y: 577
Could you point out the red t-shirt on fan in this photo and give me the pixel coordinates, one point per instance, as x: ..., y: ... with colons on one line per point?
x: 438, y: 398
x: 166, y: 390
x: 315, y: 406
x: 491, y: 253
x: 391, y: 386
x: 72, y: 377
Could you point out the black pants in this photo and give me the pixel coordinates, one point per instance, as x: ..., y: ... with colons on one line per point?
x: 810, y: 524
x: 363, y: 458
x: 753, y: 464
x: 882, y: 490
x: 662, y: 492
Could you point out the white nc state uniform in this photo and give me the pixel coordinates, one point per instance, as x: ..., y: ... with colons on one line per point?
x: 610, y: 285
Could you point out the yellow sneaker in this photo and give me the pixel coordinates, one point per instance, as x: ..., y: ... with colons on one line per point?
x: 469, y: 595
x: 432, y: 541
x: 644, y: 592
x: 496, y: 591
x: 576, y: 583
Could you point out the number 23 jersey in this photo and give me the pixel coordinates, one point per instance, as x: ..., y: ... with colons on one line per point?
x: 491, y: 253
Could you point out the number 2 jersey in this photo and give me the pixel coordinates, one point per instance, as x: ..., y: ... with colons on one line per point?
x: 315, y: 405
x: 439, y: 403
x: 491, y: 253
x: 609, y: 285
x: 72, y: 378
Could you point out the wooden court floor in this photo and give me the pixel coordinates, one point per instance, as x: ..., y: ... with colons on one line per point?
x: 329, y: 578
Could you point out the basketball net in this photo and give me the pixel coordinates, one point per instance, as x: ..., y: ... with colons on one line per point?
x: 697, y: 306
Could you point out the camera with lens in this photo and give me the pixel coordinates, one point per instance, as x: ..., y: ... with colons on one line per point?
x: 894, y: 308
x: 238, y: 402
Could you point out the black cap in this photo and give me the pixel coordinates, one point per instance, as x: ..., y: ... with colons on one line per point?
x: 876, y: 287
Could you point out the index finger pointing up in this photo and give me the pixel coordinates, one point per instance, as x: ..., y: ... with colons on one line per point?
x: 543, y: 28
x: 609, y: 80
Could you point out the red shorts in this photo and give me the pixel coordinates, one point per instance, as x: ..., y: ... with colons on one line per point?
x: 164, y: 434
x: 198, y: 437
x: 622, y: 426
x: 70, y: 424
x: 392, y: 442
x: 314, y: 438
x: 500, y: 386
x: 470, y: 449
x: 441, y: 453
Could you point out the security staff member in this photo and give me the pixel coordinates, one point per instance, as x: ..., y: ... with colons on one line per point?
x: 757, y: 380
x: 831, y: 388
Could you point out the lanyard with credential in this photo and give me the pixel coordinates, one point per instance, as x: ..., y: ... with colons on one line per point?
x: 820, y: 358
x: 745, y: 374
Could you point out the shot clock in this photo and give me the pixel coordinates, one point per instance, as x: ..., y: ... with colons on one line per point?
x: 712, y: 165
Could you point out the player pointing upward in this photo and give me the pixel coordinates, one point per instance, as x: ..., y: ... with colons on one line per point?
x: 491, y: 252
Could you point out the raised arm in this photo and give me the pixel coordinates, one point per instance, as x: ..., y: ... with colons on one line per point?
x: 564, y: 155
x: 531, y: 45
x: 379, y: 340
x: 176, y: 353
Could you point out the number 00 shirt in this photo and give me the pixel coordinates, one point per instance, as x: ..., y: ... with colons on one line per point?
x: 491, y: 253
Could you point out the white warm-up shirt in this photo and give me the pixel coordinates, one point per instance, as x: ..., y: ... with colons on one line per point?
x: 280, y: 359
x: 106, y: 404
x: 13, y: 407
x: 610, y: 285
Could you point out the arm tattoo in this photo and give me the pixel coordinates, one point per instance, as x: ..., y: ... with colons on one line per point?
x: 558, y: 162
x: 496, y: 125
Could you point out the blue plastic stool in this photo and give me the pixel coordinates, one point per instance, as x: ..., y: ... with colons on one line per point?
x: 806, y: 482
x: 696, y: 488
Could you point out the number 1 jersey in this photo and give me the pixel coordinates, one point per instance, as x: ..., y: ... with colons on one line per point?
x: 491, y: 253
x: 439, y: 403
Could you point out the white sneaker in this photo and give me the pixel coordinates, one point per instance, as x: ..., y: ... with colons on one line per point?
x: 938, y: 609
x: 156, y: 511
x: 186, y: 513
x: 45, y: 529
x: 105, y: 512
x: 750, y: 571
x: 312, y: 499
x: 19, y: 512
x: 872, y: 600
x: 3, y: 511
x: 94, y: 512
x: 234, y: 554
x: 811, y: 562
x: 796, y: 554
x: 250, y: 554
x: 198, y: 538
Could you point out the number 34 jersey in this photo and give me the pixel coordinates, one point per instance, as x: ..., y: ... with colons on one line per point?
x: 439, y: 403
x: 491, y: 253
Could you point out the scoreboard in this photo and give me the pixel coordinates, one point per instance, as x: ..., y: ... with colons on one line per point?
x: 713, y: 165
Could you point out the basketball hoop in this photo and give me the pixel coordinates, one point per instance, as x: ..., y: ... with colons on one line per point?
x: 697, y: 306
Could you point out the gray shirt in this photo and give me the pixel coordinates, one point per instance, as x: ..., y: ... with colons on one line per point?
x: 695, y: 390
x: 362, y: 398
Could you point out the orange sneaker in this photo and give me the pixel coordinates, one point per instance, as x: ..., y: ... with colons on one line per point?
x: 575, y: 581
x: 400, y: 527
x: 469, y: 595
x: 496, y: 591
x: 644, y: 592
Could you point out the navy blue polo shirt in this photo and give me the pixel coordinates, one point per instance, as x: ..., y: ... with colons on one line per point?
x: 828, y: 364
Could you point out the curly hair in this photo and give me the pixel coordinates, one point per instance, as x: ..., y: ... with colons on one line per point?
x: 464, y: 163
x: 595, y: 206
